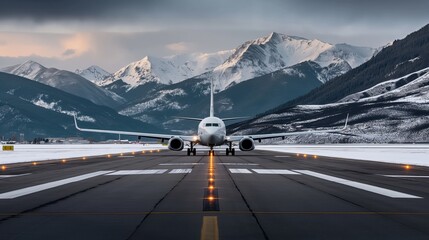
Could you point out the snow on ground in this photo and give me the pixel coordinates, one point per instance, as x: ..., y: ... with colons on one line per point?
x: 417, y: 154
x: 40, y: 152
x: 413, y: 154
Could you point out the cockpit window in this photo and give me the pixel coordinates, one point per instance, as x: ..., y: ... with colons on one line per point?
x: 212, y: 124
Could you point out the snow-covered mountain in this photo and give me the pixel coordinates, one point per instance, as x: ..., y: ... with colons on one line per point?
x: 66, y: 81
x: 387, y: 99
x: 275, y: 51
x: 251, y: 59
x: 94, y: 74
x: 167, y: 70
x: 413, y: 87
x: 393, y: 111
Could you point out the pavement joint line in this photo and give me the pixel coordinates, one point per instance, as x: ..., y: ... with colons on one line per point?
x: 210, y: 228
x: 37, y: 188
x: 358, y: 185
x: 405, y: 176
x: 216, y: 213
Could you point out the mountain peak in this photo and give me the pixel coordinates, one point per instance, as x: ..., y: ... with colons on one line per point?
x: 94, y: 74
x: 31, y: 63
x: 29, y: 69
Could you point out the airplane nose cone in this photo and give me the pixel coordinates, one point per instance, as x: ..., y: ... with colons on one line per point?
x: 212, y: 139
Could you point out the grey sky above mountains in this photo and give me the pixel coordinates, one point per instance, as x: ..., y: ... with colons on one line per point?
x: 79, y: 33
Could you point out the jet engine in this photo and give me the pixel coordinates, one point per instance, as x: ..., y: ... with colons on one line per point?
x: 175, y: 144
x: 246, y: 144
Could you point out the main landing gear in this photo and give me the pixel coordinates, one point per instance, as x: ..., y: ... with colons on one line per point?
x: 230, y: 149
x: 192, y: 150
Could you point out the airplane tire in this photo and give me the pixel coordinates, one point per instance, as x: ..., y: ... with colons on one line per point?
x: 227, y: 152
x: 189, y: 152
x: 194, y: 152
x: 233, y: 152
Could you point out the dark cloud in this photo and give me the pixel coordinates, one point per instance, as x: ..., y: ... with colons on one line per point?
x: 69, y: 52
x: 191, y: 9
x: 73, y: 10
x: 131, y: 29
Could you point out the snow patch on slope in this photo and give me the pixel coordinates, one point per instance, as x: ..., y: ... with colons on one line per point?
x: 55, y: 106
x: 160, y: 103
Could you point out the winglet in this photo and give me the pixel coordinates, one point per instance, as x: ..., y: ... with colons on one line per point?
x: 75, y: 122
x: 347, y: 119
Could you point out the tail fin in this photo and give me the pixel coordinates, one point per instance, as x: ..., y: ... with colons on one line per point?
x: 211, y: 98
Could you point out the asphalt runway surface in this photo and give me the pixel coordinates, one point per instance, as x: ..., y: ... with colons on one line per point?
x: 253, y: 195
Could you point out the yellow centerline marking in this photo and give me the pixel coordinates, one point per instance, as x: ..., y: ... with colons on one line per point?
x: 210, y: 229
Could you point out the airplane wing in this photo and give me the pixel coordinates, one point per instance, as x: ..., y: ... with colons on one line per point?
x: 278, y: 135
x: 140, y: 134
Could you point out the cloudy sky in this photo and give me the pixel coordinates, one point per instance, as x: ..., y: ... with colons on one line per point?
x: 79, y: 33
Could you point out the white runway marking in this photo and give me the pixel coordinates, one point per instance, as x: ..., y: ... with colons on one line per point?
x: 405, y: 176
x: 139, y: 172
x: 181, y: 170
x: 179, y: 164
x: 18, y: 175
x: 274, y: 171
x: 239, y: 170
x: 41, y: 187
x: 249, y: 164
x: 362, y: 186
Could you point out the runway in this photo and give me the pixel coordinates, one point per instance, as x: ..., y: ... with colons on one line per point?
x: 254, y: 195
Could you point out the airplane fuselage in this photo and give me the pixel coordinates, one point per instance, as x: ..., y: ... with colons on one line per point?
x: 212, y: 132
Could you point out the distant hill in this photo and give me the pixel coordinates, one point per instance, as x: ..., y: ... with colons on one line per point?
x: 65, y: 81
x: 38, y: 110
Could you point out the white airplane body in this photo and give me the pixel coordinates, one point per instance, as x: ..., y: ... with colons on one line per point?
x: 211, y: 132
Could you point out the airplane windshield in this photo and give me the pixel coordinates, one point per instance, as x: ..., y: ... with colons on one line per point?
x: 212, y: 124
x: 208, y: 124
x: 215, y: 124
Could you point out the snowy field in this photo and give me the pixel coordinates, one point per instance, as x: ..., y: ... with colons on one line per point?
x: 413, y: 154
x: 36, y: 152
x: 417, y: 154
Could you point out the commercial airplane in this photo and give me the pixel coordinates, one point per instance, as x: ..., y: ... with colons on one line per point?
x: 211, y: 132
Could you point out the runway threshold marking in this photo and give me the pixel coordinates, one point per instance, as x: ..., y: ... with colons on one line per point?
x: 233, y: 164
x: 139, y: 172
x: 274, y: 171
x: 45, y: 186
x: 358, y: 185
x: 181, y: 170
x: 405, y: 176
x: 179, y: 164
x: 210, y: 228
x: 239, y: 170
